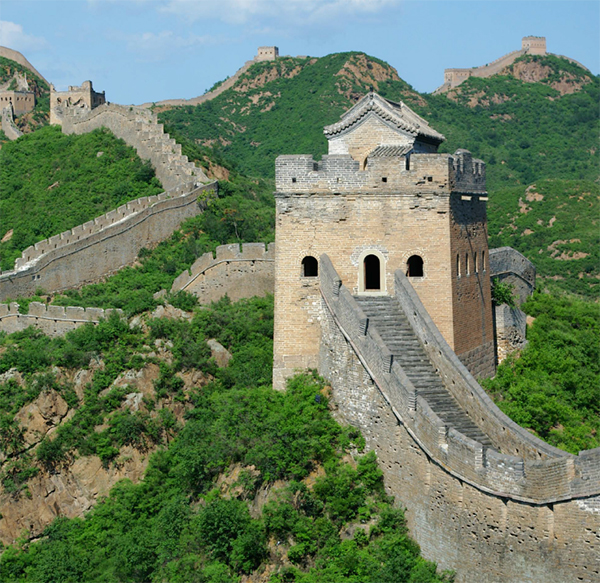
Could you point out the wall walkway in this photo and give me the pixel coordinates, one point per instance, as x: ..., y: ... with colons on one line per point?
x: 519, y: 511
x: 51, y: 320
x: 8, y: 124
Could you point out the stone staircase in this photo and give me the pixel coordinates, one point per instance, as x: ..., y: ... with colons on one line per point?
x: 386, y: 316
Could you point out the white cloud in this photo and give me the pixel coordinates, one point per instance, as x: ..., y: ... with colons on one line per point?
x: 296, y: 11
x: 150, y: 46
x: 13, y: 37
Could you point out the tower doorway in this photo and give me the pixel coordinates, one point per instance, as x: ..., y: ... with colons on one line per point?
x: 372, y: 272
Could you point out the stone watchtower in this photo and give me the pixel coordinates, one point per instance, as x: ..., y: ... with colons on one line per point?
x: 83, y: 97
x: 383, y: 199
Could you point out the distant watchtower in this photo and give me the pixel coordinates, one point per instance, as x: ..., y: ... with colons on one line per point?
x: 266, y: 54
x: 534, y: 45
x: 83, y: 97
x: 383, y: 199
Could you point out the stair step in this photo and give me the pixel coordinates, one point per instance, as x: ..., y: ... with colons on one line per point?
x: 394, y: 328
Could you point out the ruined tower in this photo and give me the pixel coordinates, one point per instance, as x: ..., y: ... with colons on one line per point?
x: 383, y: 199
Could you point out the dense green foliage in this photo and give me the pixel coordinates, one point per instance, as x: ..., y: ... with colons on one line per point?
x: 525, y: 132
x: 175, y: 525
x: 553, y: 387
x: 51, y: 182
x: 555, y: 224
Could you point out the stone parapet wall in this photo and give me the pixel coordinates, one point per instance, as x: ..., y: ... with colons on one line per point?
x: 51, y: 320
x: 227, y: 84
x: 529, y: 469
x: 8, y: 125
x: 512, y: 267
x: 17, y: 57
x: 426, y: 173
x: 139, y: 129
x: 93, y: 250
x: 511, y: 330
x: 237, y: 273
x: 494, y: 517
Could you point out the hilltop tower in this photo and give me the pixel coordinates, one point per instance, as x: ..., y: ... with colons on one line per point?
x: 383, y: 199
x: 83, y: 97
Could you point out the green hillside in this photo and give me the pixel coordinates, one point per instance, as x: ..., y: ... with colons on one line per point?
x: 51, y: 182
x: 193, y: 518
x: 40, y: 115
x: 527, y: 132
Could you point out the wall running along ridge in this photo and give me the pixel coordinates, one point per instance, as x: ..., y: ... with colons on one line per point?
x: 97, y: 248
x: 8, y: 124
x: 522, y: 511
x: 17, y: 57
x: 139, y: 129
x: 104, y: 245
x: 51, y: 320
x: 513, y: 268
x: 233, y: 272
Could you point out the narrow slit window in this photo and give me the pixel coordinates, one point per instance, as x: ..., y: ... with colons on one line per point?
x: 414, y: 266
x: 467, y: 272
x: 475, y: 262
x: 483, y: 261
x: 310, y: 267
x: 458, y: 266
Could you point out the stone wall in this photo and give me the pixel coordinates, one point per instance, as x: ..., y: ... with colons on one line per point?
x: 511, y: 267
x: 51, y: 320
x: 139, y: 129
x: 93, y: 250
x: 388, y: 210
x: 233, y: 272
x: 8, y: 124
x: 21, y: 101
x: 511, y: 330
x: 528, y: 514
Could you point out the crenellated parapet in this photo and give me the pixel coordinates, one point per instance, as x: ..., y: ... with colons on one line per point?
x: 512, y: 267
x: 52, y: 320
x: 102, y: 246
x: 138, y: 127
x: 414, y: 174
x: 233, y: 271
x: 97, y: 225
x: 520, y: 466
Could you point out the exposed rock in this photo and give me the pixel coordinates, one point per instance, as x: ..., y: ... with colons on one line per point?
x: 221, y: 355
x: 12, y: 375
x: 160, y: 294
x: 69, y: 492
x: 171, y: 312
x: 37, y: 418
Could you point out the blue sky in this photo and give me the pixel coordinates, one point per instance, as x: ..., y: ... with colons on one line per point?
x: 147, y: 50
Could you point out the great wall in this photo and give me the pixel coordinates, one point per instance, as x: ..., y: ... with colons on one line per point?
x: 530, y: 45
x: 483, y: 495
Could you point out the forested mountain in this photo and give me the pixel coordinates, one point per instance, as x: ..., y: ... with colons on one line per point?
x: 536, y: 127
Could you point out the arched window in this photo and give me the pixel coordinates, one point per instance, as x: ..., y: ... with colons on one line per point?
x: 458, y: 265
x: 414, y: 266
x: 467, y: 272
x: 483, y: 261
x: 475, y: 262
x: 310, y: 267
x: 372, y: 273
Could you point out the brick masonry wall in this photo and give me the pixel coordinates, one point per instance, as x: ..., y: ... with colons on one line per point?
x: 511, y: 267
x: 94, y: 250
x: 459, y: 521
x: 335, y: 208
x: 8, y: 125
x: 51, y: 320
x: 237, y: 273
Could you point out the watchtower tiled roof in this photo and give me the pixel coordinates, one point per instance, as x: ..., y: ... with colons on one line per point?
x: 390, y: 151
x: 397, y: 115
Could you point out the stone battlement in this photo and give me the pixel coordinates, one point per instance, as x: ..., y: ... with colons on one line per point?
x: 52, y: 320
x: 413, y: 174
x: 512, y: 267
x: 138, y: 127
x: 99, y: 247
x: 97, y: 225
x: 239, y: 273
x: 527, y: 470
